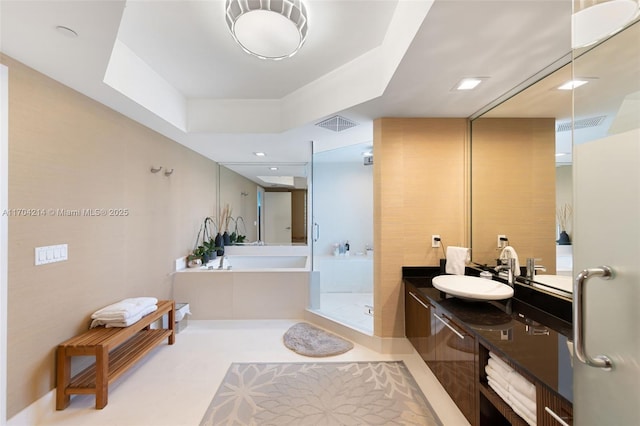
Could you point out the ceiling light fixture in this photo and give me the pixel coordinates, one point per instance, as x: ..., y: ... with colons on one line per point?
x: 273, y: 169
x: 468, y: 83
x: 601, y: 20
x: 268, y: 29
x: 259, y: 154
x: 572, y: 84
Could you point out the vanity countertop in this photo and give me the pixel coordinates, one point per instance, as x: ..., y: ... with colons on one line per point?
x: 538, y: 344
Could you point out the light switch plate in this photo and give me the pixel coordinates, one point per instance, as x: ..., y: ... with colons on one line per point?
x: 51, y: 254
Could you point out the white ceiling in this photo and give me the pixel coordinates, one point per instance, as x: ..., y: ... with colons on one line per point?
x: 176, y: 69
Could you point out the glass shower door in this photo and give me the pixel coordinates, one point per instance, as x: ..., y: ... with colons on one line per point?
x: 342, y: 200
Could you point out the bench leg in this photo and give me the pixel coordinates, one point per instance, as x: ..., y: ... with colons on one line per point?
x: 63, y: 376
x: 102, y: 377
x: 172, y: 322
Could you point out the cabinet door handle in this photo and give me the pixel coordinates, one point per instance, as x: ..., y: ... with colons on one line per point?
x: 317, y: 229
x: 555, y: 416
x: 599, y: 361
x: 419, y: 301
x: 448, y: 326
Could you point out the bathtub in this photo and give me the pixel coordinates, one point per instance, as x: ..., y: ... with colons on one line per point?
x: 265, y: 286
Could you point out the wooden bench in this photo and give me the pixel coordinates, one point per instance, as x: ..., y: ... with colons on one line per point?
x: 115, y: 350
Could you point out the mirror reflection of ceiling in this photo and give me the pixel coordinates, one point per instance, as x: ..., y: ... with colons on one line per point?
x: 273, y: 175
x: 598, y: 115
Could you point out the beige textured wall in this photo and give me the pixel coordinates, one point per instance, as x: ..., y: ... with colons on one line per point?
x: 420, y: 189
x: 67, y: 151
x: 514, y: 188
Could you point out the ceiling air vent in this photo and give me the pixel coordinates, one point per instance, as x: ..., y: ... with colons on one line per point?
x: 337, y: 123
x: 583, y: 123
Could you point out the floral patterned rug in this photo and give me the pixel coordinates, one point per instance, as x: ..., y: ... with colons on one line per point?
x: 355, y: 393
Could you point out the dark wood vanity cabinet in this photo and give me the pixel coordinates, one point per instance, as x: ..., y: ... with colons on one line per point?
x: 447, y: 349
x: 452, y: 339
x: 419, y: 324
x: 455, y: 361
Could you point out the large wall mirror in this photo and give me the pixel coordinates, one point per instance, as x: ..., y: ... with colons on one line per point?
x: 268, y: 202
x: 522, y: 156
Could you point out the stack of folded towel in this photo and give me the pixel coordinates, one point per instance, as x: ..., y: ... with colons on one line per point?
x: 124, y: 313
x: 514, y: 389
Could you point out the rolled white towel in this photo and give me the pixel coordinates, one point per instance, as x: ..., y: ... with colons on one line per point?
x: 126, y: 322
x: 457, y: 258
x: 124, y: 309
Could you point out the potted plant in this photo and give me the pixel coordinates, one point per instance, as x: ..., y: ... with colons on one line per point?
x: 236, y: 237
x: 564, y: 214
x: 225, y: 219
x: 206, y: 251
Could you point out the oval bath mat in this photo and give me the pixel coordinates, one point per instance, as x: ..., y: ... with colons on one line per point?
x: 308, y: 340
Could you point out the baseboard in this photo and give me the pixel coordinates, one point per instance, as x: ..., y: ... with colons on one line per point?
x: 32, y: 414
x: 383, y: 345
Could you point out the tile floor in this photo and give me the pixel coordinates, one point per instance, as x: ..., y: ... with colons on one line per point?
x: 175, y: 384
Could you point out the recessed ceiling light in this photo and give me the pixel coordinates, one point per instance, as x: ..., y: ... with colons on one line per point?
x: 259, y: 154
x: 66, y: 31
x: 273, y: 168
x: 468, y: 83
x: 570, y: 85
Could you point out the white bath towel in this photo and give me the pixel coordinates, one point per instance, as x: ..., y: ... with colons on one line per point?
x: 502, y: 393
x: 124, y: 323
x: 124, y: 309
x: 497, y: 376
x: 500, y: 366
x: 527, y: 415
x: 523, y: 386
x: 527, y: 404
x: 510, y: 253
x: 457, y: 258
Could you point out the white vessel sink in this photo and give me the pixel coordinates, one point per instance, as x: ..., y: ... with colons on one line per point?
x: 472, y: 288
x: 561, y: 282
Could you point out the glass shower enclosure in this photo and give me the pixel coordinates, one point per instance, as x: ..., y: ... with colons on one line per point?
x: 342, y: 235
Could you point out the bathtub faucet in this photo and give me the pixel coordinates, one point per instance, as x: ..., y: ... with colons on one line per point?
x: 224, y: 263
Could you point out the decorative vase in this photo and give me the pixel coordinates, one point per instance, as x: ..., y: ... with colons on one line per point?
x: 206, y: 258
x: 219, y: 242
x: 564, y: 239
x: 226, y: 238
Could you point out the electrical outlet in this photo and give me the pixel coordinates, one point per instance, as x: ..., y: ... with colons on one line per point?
x: 501, y: 243
x: 435, y: 241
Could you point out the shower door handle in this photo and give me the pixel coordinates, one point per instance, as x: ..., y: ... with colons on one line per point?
x: 317, y: 229
x: 599, y: 361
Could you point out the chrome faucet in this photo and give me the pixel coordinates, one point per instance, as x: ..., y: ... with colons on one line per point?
x: 532, y: 268
x: 508, y: 265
